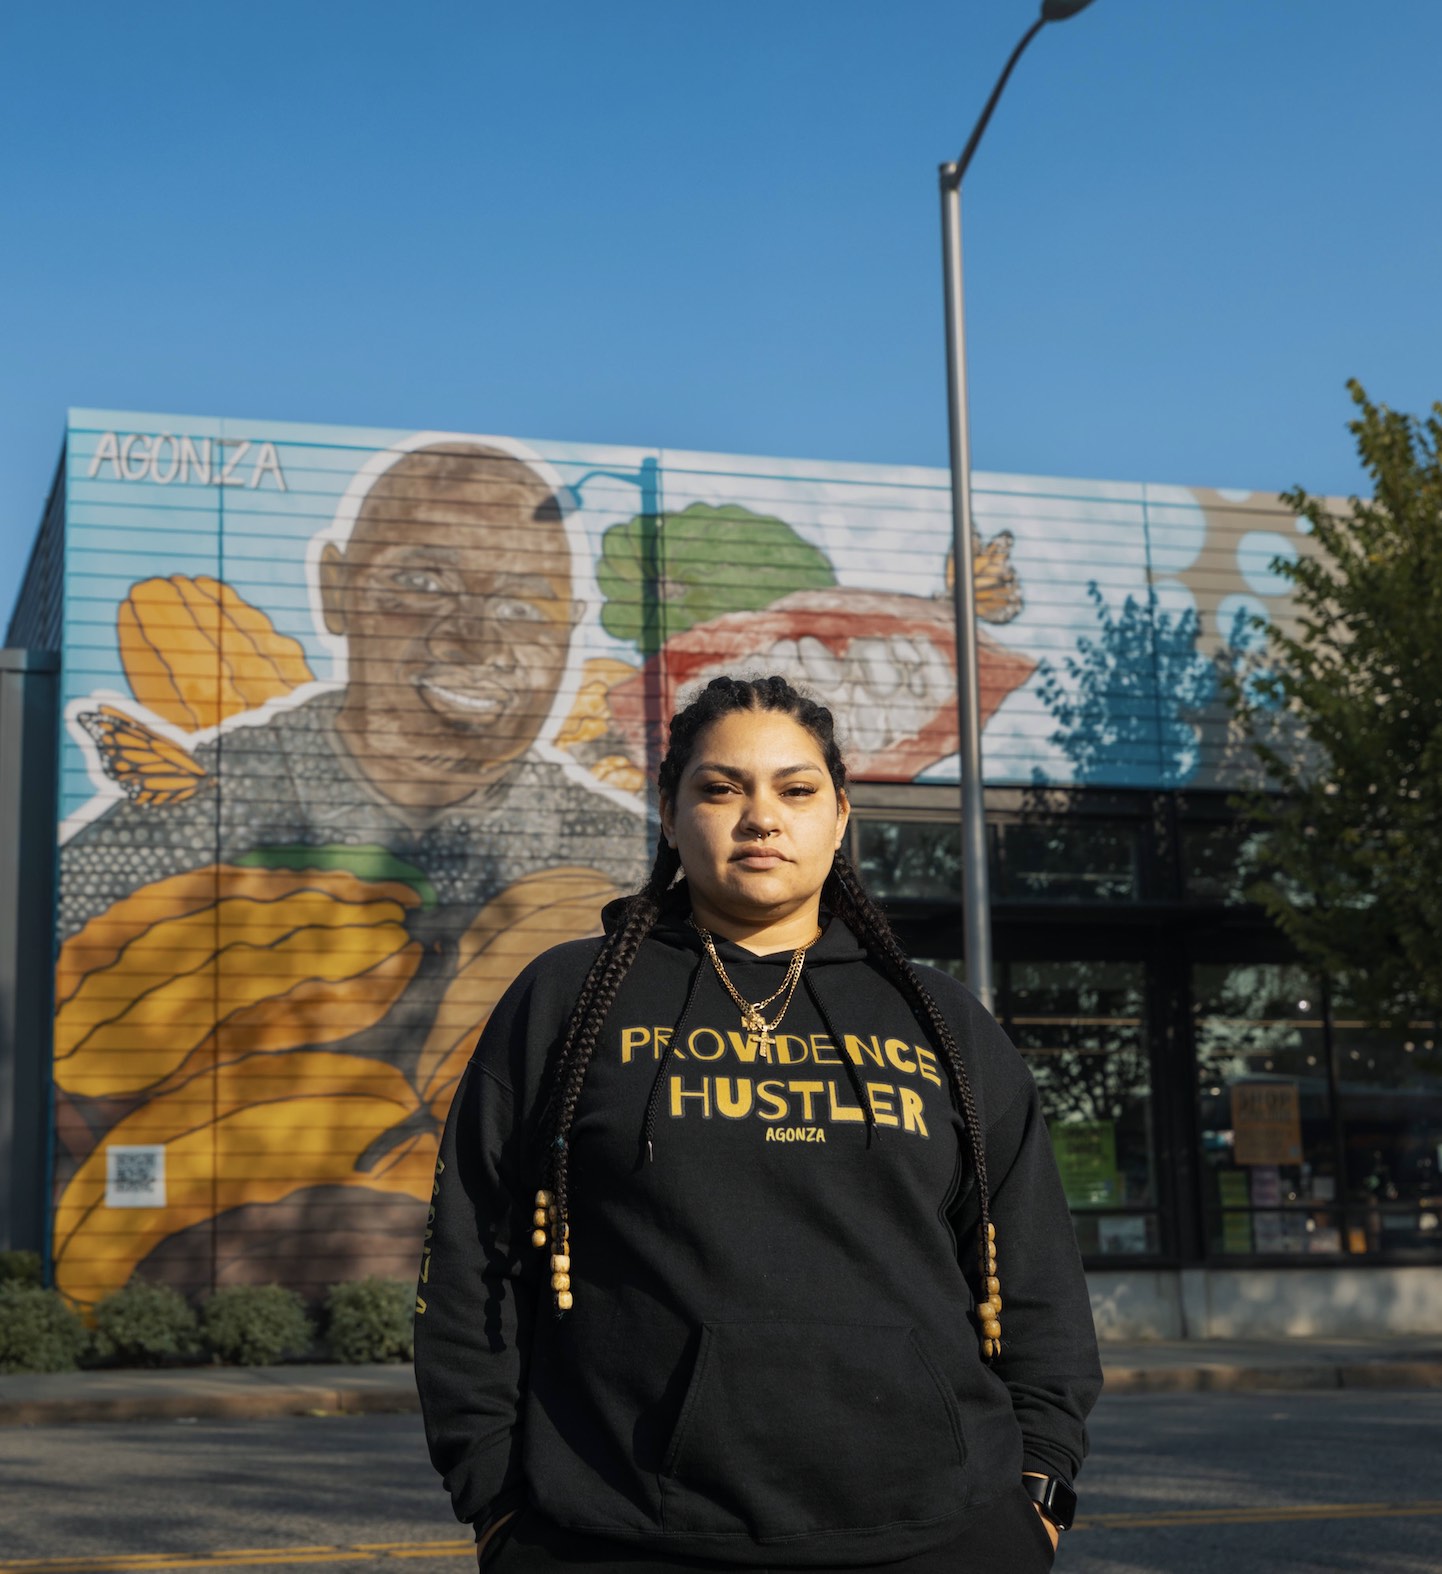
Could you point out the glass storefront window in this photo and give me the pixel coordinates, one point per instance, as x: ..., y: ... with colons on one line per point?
x: 1269, y: 1182
x: 1389, y: 1087
x: 954, y: 965
x: 1209, y: 862
x: 1041, y: 861
x: 1082, y: 1028
x: 1212, y: 859
x: 1073, y: 861
x: 917, y: 858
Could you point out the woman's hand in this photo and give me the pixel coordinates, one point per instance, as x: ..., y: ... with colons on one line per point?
x: 482, y: 1544
x: 1051, y: 1529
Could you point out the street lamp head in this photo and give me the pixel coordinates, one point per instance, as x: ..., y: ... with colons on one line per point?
x: 1061, y: 10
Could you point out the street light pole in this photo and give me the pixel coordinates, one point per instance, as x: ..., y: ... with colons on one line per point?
x: 975, y: 882
x: 976, y: 894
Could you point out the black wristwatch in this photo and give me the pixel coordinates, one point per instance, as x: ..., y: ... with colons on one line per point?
x: 1053, y: 1497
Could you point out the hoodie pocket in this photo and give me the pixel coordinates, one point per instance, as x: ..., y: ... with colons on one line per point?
x: 789, y: 1429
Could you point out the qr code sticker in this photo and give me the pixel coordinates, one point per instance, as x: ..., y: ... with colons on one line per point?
x: 135, y: 1177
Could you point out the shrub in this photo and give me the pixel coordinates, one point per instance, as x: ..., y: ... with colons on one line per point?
x: 256, y: 1324
x: 143, y: 1323
x: 38, y: 1331
x: 371, y: 1320
x: 19, y: 1267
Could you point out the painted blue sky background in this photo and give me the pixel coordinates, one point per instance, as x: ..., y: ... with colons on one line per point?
x: 660, y: 225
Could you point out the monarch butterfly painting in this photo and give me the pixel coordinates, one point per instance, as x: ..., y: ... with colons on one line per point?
x: 998, y: 592
x: 150, y: 769
x: 159, y: 621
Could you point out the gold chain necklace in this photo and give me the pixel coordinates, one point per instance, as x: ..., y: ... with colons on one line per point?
x: 751, y: 1010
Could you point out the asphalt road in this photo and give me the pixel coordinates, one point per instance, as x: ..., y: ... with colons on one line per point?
x: 1204, y: 1482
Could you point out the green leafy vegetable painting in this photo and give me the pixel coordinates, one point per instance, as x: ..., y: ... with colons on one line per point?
x: 662, y: 575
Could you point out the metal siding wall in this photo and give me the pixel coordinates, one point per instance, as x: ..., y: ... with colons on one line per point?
x: 279, y: 943
x: 124, y: 543
x: 328, y: 783
x: 36, y: 617
x: 1228, y: 579
x: 28, y: 711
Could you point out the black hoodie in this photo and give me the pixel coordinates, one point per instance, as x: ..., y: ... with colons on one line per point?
x: 773, y: 1356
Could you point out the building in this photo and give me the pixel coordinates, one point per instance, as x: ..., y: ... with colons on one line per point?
x: 315, y: 735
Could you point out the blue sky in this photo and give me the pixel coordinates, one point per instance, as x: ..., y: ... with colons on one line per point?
x: 717, y: 228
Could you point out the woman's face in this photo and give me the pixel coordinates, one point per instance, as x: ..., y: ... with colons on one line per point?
x: 756, y: 821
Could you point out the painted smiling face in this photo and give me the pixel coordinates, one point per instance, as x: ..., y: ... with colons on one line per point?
x: 453, y: 594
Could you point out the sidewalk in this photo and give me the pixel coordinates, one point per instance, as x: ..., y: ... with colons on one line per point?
x: 1197, y: 1366
x: 45, y: 1398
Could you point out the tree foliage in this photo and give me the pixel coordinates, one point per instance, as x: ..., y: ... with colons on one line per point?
x: 1347, y: 858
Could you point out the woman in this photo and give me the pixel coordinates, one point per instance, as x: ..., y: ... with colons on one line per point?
x: 730, y: 1210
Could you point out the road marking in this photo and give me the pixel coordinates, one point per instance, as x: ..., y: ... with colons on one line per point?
x: 433, y: 1552
x: 125, y: 1560
x: 235, y: 1557
x: 1280, y: 1513
x: 416, y: 1549
x: 376, y: 1551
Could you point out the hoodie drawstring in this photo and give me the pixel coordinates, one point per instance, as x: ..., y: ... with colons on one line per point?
x: 648, y: 1129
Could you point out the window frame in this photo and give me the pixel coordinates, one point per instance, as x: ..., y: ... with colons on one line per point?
x: 1166, y: 930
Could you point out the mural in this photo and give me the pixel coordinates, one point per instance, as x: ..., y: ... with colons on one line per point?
x: 359, y: 723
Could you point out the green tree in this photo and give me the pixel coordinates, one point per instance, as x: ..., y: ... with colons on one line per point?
x: 1345, y: 718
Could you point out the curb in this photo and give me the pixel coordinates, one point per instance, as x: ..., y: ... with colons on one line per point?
x: 241, y: 1394
x: 1283, y: 1378
x: 233, y: 1393
x: 253, y: 1406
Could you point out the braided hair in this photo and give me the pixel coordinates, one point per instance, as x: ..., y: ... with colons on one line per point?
x: 842, y: 894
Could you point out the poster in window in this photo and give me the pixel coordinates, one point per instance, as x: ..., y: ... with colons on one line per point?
x: 1266, y: 1123
x: 1236, y: 1218
x: 1122, y: 1232
x: 1086, y: 1156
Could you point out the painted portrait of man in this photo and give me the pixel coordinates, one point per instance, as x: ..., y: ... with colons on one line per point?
x: 331, y: 909
x: 453, y: 595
